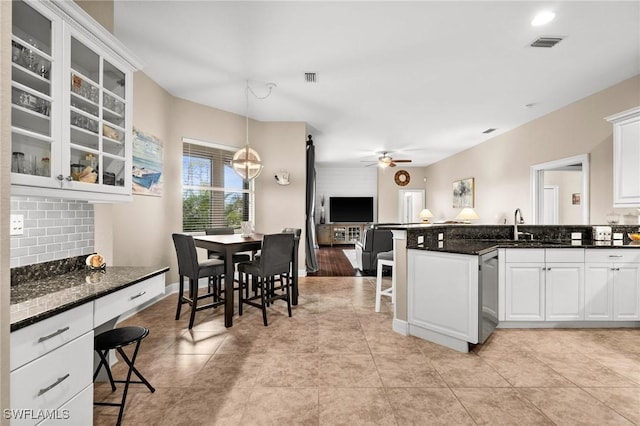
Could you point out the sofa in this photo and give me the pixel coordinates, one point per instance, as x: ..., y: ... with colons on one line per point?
x: 373, y: 242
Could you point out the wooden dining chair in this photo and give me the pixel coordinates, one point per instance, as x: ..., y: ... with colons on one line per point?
x: 275, y: 260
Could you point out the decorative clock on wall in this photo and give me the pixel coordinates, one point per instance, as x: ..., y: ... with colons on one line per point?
x: 402, y: 177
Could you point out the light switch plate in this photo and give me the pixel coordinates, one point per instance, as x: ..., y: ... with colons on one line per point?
x: 17, y: 224
x: 420, y: 239
x: 440, y: 236
x: 576, y: 235
x: 617, y: 235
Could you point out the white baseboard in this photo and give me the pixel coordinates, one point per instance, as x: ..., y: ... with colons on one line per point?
x: 441, y: 339
x: 400, y: 326
x: 569, y: 324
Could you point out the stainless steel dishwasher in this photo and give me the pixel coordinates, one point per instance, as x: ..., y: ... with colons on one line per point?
x: 487, y: 295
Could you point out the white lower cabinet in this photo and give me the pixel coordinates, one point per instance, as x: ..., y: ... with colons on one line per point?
x: 612, y: 285
x: 442, y: 294
x: 564, y: 288
x: 77, y: 411
x: 41, y: 387
x: 524, y: 292
x: 544, y: 285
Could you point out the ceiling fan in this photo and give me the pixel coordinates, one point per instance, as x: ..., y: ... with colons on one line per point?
x: 385, y: 160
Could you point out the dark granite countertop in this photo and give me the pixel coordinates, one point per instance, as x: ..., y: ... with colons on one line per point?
x: 480, y: 247
x: 37, y: 300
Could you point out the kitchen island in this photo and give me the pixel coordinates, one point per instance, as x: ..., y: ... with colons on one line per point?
x: 551, y: 281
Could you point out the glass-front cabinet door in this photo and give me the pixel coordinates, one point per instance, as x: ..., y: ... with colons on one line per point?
x: 71, y: 104
x: 35, y: 109
x: 99, y: 150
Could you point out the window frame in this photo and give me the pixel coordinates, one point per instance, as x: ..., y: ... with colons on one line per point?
x: 250, y: 191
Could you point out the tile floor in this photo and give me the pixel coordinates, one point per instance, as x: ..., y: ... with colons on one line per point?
x: 336, y: 362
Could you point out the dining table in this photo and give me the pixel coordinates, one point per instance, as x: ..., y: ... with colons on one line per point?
x: 234, y: 243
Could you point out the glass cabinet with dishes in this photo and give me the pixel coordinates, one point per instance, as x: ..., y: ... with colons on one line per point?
x: 71, y: 105
x: 34, y: 121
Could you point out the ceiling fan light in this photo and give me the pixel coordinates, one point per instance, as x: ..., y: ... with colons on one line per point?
x: 543, y: 18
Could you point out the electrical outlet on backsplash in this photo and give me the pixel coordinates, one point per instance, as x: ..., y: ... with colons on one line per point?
x: 53, y: 229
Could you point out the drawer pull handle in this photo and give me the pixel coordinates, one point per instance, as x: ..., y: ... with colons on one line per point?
x: 615, y: 255
x: 57, y: 382
x: 142, y: 293
x: 54, y: 334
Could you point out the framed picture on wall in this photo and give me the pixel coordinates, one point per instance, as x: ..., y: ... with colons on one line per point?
x: 147, y: 164
x: 575, y: 199
x: 463, y: 193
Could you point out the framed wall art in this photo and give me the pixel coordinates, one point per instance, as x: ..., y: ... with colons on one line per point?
x: 463, y: 193
x: 147, y: 164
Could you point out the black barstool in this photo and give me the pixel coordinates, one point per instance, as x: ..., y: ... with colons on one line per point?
x: 117, y: 339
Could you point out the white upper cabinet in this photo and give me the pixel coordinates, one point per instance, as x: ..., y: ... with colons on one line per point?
x: 626, y: 158
x: 71, y: 117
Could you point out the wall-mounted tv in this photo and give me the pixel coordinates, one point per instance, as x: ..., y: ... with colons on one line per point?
x: 351, y: 209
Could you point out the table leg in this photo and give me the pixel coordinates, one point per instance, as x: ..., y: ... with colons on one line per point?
x: 229, y: 271
x: 294, y: 281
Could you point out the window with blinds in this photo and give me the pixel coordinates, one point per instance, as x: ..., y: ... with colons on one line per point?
x: 213, y: 195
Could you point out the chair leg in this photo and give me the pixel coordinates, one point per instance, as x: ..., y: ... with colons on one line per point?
x: 240, y: 298
x: 263, y: 286
x: 180, y: 293
x: 378, y: 287
x: 193, y: 285
x: 130, y: 363
x: 105, y: 362
x: 287, y: 289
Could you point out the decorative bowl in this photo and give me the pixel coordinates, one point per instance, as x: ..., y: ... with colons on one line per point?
x: 635, y: 236
x: 95, y: 261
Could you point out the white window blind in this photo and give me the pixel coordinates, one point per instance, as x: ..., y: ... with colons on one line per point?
x: 213, y: 195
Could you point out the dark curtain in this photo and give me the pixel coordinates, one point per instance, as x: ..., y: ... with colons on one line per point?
x: 310, y: 244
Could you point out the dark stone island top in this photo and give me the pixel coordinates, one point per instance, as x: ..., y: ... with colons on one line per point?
x: 480, y: 247
x: 33, y: 301
x: 481, y: 239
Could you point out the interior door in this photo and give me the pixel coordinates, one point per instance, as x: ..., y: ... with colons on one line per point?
x: 410, y: 204
x: 550, y: 206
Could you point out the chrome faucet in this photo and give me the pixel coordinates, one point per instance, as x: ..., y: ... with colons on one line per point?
x: 516, y: 222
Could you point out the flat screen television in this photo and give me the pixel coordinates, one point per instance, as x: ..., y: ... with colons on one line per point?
x: 351, y: 209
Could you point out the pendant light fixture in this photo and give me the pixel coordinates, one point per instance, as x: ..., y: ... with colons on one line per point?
x: 246, y: 161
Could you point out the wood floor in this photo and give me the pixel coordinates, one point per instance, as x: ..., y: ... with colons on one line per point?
x: 333, y: 263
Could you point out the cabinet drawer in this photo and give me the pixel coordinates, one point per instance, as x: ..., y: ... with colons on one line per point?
x: 564, y: 255
x: 524, y: 255
x: 36, y: 340
x: 51, y: 380
x: 115, y: 304
x: 613, y: 255
x: 77, y: 411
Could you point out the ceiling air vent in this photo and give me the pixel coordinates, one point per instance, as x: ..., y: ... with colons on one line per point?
x: 546, y: 41
x: 489, y: 130
x: 310, y: 77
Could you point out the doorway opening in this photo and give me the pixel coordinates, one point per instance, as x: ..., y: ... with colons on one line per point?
x: 571, y: 176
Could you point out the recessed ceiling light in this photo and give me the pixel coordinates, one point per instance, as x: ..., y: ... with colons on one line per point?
x: 543, y: 18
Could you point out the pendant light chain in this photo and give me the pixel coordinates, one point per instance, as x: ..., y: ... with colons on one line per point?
x: 246, y: 161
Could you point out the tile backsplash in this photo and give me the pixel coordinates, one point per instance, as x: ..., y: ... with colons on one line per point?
x: 54, y: 229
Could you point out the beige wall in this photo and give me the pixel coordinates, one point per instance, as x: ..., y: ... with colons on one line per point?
x: 282, y: 146
x: 501, y: 166
x: 100, y: 10
x: 5, y: 202
x: 139, y: 233
x: 388, y: 190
